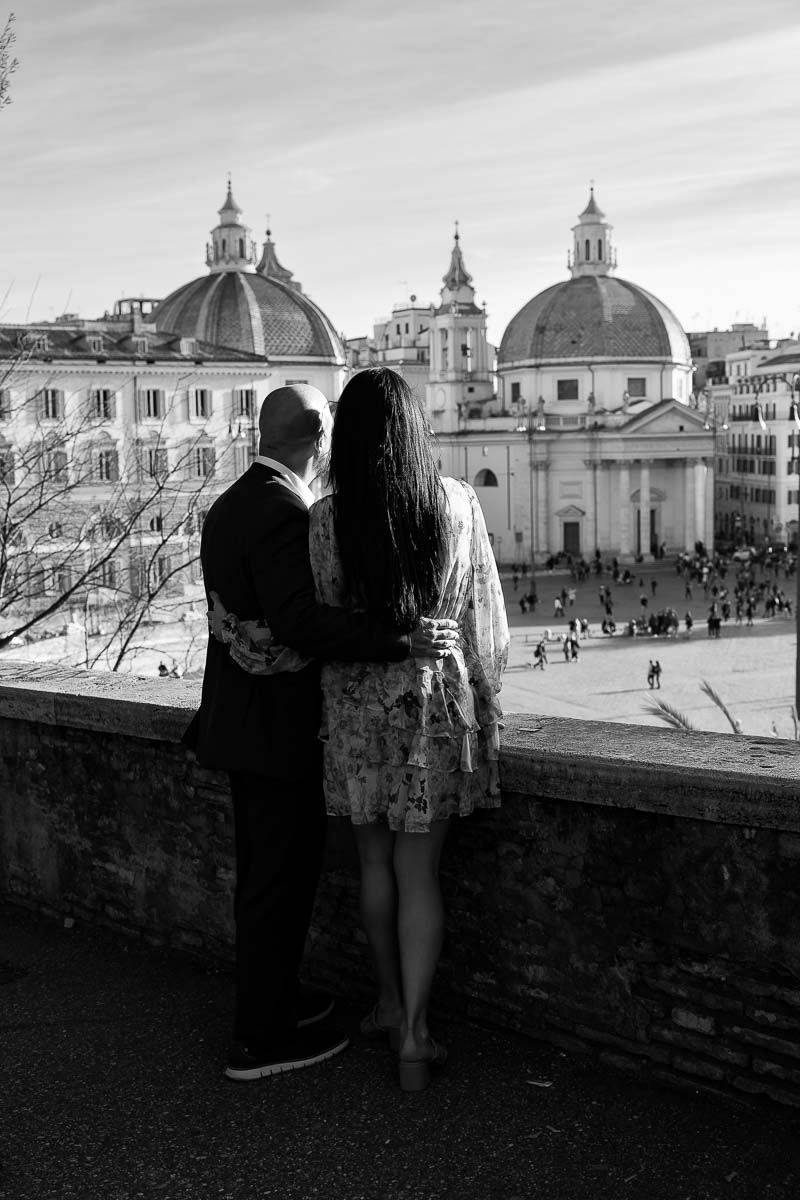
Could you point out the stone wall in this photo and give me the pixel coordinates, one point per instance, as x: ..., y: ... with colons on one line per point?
x: 635, y: 897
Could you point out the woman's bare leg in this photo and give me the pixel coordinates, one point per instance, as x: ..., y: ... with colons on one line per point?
x: 375, y: 845
x: 420, y: 928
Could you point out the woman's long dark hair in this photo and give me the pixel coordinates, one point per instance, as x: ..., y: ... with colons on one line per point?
x: 388, y: 500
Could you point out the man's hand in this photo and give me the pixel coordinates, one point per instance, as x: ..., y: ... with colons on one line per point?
x: 434, y: 638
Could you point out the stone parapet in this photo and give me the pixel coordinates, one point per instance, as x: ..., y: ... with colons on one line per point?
x: 634, y: 898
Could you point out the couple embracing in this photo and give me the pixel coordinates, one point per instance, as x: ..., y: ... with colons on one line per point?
x: 357, y: 649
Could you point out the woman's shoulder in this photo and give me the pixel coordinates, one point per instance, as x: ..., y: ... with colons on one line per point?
x: 458, y: 492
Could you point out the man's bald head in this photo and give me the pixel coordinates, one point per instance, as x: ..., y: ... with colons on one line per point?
x: 292, y: 421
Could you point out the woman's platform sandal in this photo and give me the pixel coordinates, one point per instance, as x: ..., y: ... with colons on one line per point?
x: 415, y: 1075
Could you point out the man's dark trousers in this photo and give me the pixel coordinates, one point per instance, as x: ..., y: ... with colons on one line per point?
x: 280, y: 837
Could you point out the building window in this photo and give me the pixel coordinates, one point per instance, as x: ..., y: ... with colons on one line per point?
x: 244, y: 400
x: 203, y: 462
x: 291, y: 381
x: 241, y: 459
x: 567, y: 389
x: 55, y: 465
x: 6, y: 466
x: 157, y: 464
x: 515, y: 392
x: 406, y: 326
x: 52, y: 404
x: 162, y: 569
x: 637, y: 388
x: 61, y: 580
x: 156, y: 523
x: 101, y: 404
x: 140, y: 346
x: 588, y: 250
x: 107, y: 466
x: 110, y: 527
x: 36, y: 581
x: 55, y: 529
x: 95, y: 344
x: 151, y: 404
x: 600, y: 249
x: 485, y: 478
x: 108, y: 574
x: 201, y: 403
x: 5, y: 404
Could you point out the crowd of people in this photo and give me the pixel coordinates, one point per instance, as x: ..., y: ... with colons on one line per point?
x: 733, y: 589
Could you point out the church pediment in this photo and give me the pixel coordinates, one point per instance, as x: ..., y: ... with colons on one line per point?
x: 667, y: 417
x: 570, y: 513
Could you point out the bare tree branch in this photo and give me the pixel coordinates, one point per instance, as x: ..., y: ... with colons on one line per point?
x: 8, y: 64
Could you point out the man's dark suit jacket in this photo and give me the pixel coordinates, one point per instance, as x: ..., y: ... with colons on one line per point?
x: 254, y: 554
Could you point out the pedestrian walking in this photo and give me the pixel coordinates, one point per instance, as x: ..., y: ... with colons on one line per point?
x: 558, y: 607
x: 540, y: 656
x: 653, y: 586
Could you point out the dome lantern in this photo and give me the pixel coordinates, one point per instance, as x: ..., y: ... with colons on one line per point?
x: 592, y: 252
x: 231, y: 247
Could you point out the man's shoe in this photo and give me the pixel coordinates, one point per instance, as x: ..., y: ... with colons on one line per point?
x: 312, y: 1006
x: 302, y: 1049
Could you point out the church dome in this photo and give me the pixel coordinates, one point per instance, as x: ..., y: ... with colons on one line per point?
x: 249, y: 312
x: 259, y: 307
x: 593, y: 315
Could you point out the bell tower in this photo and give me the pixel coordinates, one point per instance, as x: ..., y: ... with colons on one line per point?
x: 460, y: 380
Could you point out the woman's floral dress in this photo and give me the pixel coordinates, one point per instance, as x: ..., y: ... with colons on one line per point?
x: 417, y: 741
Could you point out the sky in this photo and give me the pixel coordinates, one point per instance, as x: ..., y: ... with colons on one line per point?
x: 366, y: 130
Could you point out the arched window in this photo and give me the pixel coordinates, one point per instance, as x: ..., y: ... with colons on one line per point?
x: 485, y: 478
x: 224, y: 245
x: 241, y: 247
x: 600, y: 249
x: 588, y: 248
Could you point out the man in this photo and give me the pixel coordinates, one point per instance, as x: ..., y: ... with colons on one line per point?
x: 262, y: 729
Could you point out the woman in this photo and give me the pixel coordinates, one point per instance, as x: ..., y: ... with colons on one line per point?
x: 407, y: 745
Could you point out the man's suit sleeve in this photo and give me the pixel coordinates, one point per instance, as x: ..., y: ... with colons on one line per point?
x: 281, y: 572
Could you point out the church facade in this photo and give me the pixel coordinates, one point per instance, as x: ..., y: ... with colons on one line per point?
x: 592, y: 440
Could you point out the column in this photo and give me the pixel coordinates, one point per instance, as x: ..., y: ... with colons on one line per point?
x: 688, y: 506
x: 624, y: 494
x: 710, y: 503
x: 699, y: 500
x: 543, y: 546
x: 644, y: 506
x: 590, y: 531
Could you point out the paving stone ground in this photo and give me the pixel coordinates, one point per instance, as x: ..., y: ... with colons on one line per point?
x: 112, y: 1089
x: 752, y: 669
